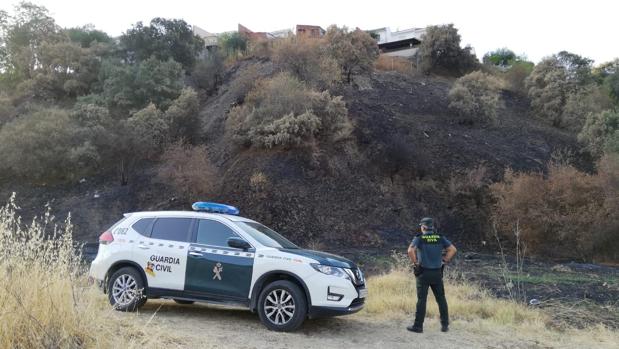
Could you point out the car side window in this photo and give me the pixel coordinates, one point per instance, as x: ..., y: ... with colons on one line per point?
x: 213, y: 233
x: 175, y: 229
x: 143, y: 226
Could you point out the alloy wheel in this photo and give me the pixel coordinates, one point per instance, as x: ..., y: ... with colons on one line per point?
x: 124, y: 290
x: 279, y: 307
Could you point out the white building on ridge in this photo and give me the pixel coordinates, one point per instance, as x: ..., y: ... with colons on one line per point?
x: 402, y: 43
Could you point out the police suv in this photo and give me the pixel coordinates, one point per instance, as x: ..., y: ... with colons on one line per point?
x: 214, y: 255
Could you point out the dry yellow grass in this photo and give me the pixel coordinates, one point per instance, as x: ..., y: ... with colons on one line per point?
x: 395, y: 293
x: 390, y: 63
x: 45, y: 301
x: 393, y: 296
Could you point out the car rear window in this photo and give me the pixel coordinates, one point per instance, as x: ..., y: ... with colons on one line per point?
x: 143, y: 226
x: 111, y: 229
x: 175, y: 229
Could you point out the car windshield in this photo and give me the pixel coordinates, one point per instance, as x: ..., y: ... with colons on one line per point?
x: 265, y: 235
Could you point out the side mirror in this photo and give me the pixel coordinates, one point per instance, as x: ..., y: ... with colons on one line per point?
x: 239, y: 243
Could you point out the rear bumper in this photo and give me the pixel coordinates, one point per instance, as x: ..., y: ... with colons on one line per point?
x: 319, y: 311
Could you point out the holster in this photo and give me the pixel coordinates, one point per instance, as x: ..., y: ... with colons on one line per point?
x: 417, y: 270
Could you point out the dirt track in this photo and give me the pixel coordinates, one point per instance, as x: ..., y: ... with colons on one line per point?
x: 201, y: 326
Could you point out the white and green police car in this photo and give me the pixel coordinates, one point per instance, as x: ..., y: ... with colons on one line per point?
x: 213, y: 255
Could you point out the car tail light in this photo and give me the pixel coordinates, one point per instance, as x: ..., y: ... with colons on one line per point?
x: 106, y: 238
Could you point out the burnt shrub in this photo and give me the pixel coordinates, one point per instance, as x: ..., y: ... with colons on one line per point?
x: 440, y: 52
x: 517, y: 74
x: 283, y: 111
x: 207, y: 74
x: 566, y: 214
x: 397, y: 156
x: 475, y: 97
x: 308, y: 60
x: 188, y: 170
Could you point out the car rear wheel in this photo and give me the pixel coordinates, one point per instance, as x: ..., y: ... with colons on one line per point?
x: 282, y: 306
x: 125, y: 289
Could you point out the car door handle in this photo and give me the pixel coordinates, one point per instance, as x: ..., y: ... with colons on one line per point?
x: 196, y: 254
x: 144, y: 247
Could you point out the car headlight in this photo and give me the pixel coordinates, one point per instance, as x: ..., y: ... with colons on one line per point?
x: 329, y: 270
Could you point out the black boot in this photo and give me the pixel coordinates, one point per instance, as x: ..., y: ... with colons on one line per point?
x: 444, y: 328
x: 415, y: 328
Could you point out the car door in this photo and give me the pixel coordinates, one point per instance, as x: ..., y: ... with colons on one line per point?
x: 161, y: 250
x: 215, y: 270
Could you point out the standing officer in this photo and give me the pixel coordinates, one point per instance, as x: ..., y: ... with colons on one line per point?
x: 426, y: 253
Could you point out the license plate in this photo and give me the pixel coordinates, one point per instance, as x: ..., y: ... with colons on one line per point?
x: 363, y: 293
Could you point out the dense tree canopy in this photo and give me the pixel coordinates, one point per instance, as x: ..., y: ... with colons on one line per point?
x: 22, y: 37
x: 164, y: 39
x: 577, y: 68
x: 127, y: 88
x: 563, y: 91
x: 87, y: 36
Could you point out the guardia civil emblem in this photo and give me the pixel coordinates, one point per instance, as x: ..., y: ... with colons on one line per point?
x: 217, y: 270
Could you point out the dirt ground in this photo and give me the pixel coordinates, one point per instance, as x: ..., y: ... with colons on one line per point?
x: 205, y: 326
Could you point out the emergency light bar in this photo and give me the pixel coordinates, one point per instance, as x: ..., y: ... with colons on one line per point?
x: 213, y: 207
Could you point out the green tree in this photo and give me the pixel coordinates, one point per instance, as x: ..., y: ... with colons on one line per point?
x: 548, y: 89
x: 233, y: 44
x: 563, y: 91
x: 164, y: 39
x: 183, y: 117
x: 601, y: 132
x: 68, y: 69
x: 354, y: 51
x: 22, y: 37
x: 7, y: 109
x: 128, y: 88
x: 42, y: 146
x: 577, y: 68
x: 87, y: 35
x: 440, y: 52
x: 38, y: 59
x: 590, y: 99
x: 141, y: 137
x: 502, y: 57
x: 96, y: 127
x: 608, y: 75
x: 612, y: 84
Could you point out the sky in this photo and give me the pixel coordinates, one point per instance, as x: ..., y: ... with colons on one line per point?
x: 536, y: 28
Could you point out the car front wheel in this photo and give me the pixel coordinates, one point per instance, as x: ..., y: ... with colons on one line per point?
x: 125, y: 289
x: 282, y: 306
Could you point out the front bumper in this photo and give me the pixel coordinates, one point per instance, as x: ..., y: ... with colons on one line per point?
x: 318, y: 311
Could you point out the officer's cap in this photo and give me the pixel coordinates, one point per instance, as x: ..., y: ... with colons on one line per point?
x: 427, y: 221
